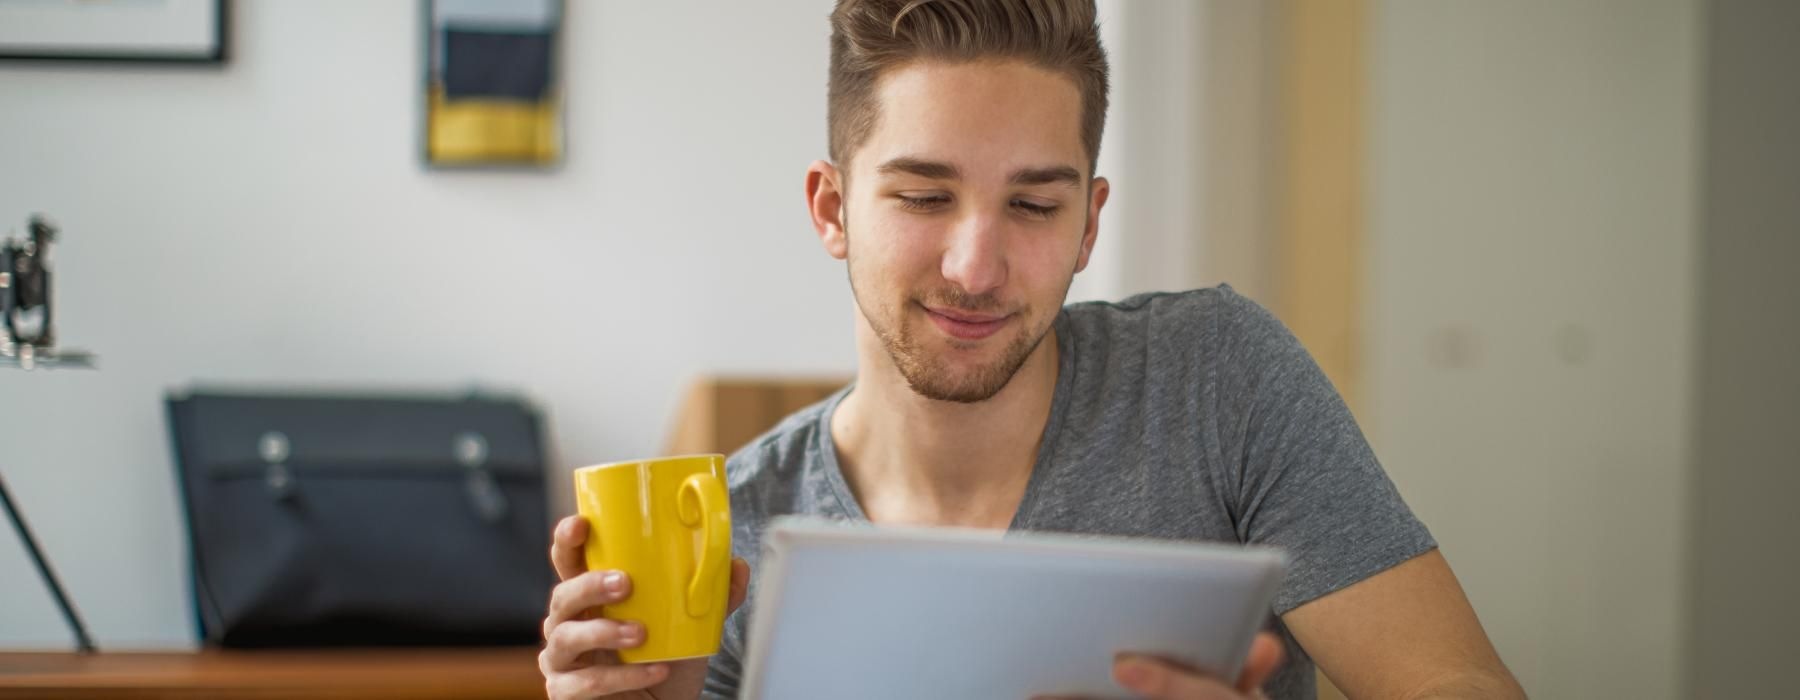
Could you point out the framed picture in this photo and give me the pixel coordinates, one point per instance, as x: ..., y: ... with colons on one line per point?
x: 184, y: 31
x: 493, y: 90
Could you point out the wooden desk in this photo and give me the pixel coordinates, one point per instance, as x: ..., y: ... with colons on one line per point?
x: 408, y: 674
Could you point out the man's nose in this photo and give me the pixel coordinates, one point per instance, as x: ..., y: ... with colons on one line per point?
x: 975, y: 258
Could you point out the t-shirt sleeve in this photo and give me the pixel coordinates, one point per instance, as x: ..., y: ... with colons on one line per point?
x: 1303, y: 477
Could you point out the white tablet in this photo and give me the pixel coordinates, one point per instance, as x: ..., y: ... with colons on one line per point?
x: 857, y: 611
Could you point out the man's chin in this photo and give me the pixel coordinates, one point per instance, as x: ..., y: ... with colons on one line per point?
x: 960, y: 382
x: 947, y: 368
x: 956, y: 392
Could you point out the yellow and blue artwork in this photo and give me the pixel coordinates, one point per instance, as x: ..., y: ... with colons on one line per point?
x: 493, y: 96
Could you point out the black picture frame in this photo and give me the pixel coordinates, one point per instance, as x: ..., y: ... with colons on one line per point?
x: 214, y: 54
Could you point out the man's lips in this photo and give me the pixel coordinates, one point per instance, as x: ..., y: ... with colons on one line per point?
x: 966, y: 325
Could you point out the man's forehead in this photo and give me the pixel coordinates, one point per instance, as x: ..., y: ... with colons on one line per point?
x: 979, y: 121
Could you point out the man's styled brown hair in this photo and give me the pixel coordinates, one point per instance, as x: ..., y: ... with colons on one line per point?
x: 870, y: 37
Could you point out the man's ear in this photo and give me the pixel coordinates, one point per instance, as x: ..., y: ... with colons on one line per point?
x: 825, y: 201
x: 1098, y: 191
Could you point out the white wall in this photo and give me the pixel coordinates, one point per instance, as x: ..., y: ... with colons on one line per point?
x: 1531, y: 318
x: 1183, y: 150
x: 269, y: 223
x: 1150, y: 155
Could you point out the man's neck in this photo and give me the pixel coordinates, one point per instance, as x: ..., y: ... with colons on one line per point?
x: 914, y: 460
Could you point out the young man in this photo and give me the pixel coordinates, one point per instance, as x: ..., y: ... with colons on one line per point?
x: 960, y: 193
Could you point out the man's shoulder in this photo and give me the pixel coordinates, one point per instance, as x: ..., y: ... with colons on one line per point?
x: 1203, y: 320
x: 1151, y: 306
x: 773, y: 465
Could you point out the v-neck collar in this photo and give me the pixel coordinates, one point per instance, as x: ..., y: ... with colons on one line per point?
x: 1040, y: 469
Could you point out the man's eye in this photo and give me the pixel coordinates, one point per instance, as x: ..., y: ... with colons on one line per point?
x: 1037, y: 210
x: 922, y: 203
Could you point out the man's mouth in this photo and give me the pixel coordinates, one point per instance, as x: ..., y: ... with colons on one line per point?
x: 966, y: 325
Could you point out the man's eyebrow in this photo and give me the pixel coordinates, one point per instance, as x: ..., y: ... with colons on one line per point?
x: 935, y: 170
x: 920, y: 167
x: 1048, y: 176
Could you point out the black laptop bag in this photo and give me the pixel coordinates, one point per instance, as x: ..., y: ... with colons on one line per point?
x: 363, y: 520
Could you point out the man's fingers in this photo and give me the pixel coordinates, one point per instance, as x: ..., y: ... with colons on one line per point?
x: 1265, y: 657
x: 1159, y: 680
x: 597, y: 681
x: 571, y: 639
x: 740, y: 584
x: 575, y: 596
x: 565, y: 547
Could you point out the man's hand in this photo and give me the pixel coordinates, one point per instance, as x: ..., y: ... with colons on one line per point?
x: 1160, y: 680
x: 1156, y: 679
x: 579, y: 658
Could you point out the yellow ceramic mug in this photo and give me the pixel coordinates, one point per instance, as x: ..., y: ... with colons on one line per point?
x: 667, y: 524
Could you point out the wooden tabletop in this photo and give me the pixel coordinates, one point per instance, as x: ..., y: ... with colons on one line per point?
x: 406, y: 674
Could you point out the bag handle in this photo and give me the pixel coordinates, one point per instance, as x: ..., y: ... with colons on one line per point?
x: 707, y: 511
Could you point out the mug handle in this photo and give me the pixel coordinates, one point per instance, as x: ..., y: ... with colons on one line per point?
x: 707, y: 510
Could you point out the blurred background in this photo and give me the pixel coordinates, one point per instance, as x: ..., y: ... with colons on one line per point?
x: 1544, y: 247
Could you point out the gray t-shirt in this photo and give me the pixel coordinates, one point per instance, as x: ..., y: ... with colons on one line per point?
x: 1187, y: 416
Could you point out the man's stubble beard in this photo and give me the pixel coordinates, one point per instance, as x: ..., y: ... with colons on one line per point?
x: 930, y: 376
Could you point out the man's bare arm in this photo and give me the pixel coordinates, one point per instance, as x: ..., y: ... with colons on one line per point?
x: 1408, y: 632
